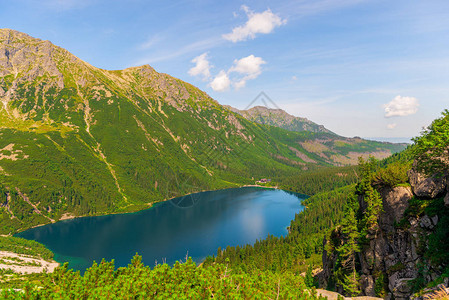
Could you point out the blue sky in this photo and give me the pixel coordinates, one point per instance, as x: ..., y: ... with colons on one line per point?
x: 360, y: 67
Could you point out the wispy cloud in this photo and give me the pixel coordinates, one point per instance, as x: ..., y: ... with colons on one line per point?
x: 66, y: 4
x: 150, y: 42
x: 301, y: 8
x: 199, y: 46
x: 258, y: 23
x: 391, y: 126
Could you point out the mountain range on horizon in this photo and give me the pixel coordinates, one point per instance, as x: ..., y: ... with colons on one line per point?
x: 79, y: 140
x: 279, y: 118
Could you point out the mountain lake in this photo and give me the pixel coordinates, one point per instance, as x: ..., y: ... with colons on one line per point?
x: 194, y: 225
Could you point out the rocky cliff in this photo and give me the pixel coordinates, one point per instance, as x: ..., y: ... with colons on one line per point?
x: 406, y: 251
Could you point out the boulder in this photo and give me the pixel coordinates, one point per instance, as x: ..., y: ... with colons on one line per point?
x: 392, y: 279
x: 435, y: 220
x: 425, y: 222
x: 395, y: 202
x: 427, y: 187
x: 367, y: 282
x: 390, y: 261
x: 380, y: 248
x: 403, y: 289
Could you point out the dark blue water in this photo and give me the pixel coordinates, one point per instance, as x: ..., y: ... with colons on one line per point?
x: 195, y: 225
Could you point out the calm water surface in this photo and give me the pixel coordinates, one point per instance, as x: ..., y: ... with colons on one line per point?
x: 195, y: 225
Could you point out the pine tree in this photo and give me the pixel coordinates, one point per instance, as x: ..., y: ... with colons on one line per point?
x: 308, y: 280
x: 347, y: 253
x: 371, y: 196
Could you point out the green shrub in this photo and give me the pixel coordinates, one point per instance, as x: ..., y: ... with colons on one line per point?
x: 432, y: 145
x: 393, y: 175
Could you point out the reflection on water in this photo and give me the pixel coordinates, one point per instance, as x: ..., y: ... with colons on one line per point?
x: 170, y: 232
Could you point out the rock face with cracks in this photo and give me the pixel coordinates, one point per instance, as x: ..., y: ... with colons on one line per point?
x: 392, y: 257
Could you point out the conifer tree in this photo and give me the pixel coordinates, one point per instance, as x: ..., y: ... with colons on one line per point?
x: 347, y: 253
x: 308, y: 280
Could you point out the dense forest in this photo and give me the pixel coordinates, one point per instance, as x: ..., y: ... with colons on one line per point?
x: 281, y: 267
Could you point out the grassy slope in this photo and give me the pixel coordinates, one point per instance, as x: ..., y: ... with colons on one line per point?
x: 77, y: 139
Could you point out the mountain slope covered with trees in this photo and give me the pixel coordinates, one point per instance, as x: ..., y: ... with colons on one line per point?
x: 79, y: 140
x: 386, y: 235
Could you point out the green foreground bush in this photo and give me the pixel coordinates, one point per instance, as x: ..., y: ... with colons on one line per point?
x: 182, y: 281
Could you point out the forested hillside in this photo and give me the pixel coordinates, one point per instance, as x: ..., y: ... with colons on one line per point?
x: 303, y: 245
x: 384, y: 236
x: 79, y: 140
x: 393, y: 241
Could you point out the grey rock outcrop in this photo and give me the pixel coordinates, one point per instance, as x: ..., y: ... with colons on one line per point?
x: 427, y: 187
x: 392, y: 256
x: 395, y: 202
x: 367, y: 282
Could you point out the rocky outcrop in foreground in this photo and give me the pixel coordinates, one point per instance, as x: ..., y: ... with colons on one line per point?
x: 393, y: 258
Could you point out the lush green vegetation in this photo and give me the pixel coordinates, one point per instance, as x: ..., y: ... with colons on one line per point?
x: 430, y: 153
x: 23, y: 246
x: 114, y: 141
x: 303, y: 246
x: 319, y: 180
x: 182, y: 281
x: 432, y: 148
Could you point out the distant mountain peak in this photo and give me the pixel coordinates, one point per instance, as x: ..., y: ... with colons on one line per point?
x: 280, y: 118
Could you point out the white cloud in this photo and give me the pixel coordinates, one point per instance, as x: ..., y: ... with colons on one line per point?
x: 263, y: 22
x: 401, y: 106
x: 221, y: 82
x: 239, y: 84
x: 392, y: 126
x: 249, y: 66
x: 237, y: 75
x: 202, y: 66
x: 294, y: 77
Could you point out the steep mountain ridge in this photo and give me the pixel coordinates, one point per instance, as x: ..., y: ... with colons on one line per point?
x: 78, y: 140
x: 280, y: 118
x: 325, y: 144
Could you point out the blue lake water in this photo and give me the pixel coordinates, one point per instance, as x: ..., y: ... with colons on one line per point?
x: 195, y: 225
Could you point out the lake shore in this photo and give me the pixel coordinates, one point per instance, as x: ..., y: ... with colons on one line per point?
x: 25, y: 264
x: 70, y: 216
x: 215, y: 210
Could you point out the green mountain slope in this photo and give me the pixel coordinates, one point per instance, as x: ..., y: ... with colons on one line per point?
x: 78, y: 140
x: 326, y: 146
